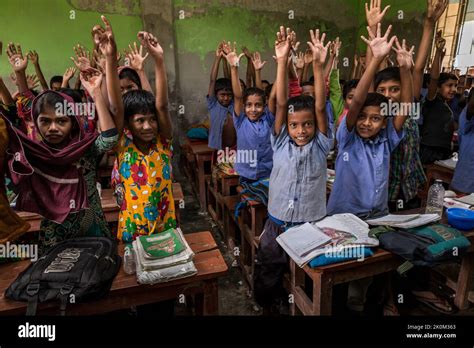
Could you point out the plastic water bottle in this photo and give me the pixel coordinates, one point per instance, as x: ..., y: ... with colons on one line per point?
x: 129, y: 260
x: 435, y: 200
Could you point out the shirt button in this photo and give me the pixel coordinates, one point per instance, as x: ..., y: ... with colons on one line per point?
x: 376, y: 191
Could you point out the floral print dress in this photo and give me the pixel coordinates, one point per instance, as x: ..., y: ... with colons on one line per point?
x: 144, y: 189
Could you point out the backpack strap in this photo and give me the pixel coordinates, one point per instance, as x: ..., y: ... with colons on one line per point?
x: 64, y: 292
x: 32, y: 291
x: 404, y: 267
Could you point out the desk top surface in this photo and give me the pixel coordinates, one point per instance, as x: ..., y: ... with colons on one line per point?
x: 208, y: 261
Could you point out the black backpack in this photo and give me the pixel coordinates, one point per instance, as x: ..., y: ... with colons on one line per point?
x: 84, y: 267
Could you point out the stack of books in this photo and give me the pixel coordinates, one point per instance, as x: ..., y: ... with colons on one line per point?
x: 163, y: 257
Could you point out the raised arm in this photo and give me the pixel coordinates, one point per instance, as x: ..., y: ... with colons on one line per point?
x: 67, y: 76
x: 108, y: 47
x: 300, y: 66
x: 161, y: 84
x: 19, y: 64
x: 308, y: 60
x: 137, y: 59
x: 436, y: 68
x: 330, y: 63
x: 34, y: 59
x: 405, y: 63
x: 250, y: 75
x: 374, y: 16
x: 282, y: 50
x: 215, y: 70
x: 435, y: 9
x: 258, y: 66
x: 233, y: 59
x: 92, y: 80
x: 380, y: 47
x: 319, y: 58
x: 5, y: 95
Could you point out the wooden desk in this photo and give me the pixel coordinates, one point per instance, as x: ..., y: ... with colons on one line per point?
x: 436, y: 172
x: 325, y: 277
x: 126, y: 292
x: 203, y: 155
x: 109, y: 206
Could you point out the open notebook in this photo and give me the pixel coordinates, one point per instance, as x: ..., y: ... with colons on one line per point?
x: 305, y: 242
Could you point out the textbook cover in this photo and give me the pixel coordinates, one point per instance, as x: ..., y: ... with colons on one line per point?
x: 162, y: 245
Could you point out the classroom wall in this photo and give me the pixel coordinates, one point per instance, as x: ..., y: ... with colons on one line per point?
x: 189, y: 31
x: 53, y: 27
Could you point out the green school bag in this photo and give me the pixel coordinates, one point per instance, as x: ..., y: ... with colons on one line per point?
x: 428, y: 245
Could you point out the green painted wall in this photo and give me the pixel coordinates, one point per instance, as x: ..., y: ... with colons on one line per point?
x: 46, y: 26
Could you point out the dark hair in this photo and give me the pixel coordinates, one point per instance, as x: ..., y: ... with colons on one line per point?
x: 443, y: 77
x: 268, y: 90
x: 342, y: 82
x: 55, y: 79
x: 348, y: 86
x: 253, y: 91
x: 75, y: 94
x: 375, y: 99
x: 301, y: 102
x: 138, y: 102
x: 222, y: 84
x: 307, y: 83
x: 471, y: 94
x: 311, y: 79
x: 132, y: 75
x: 426, y: 80
x: 390, y: 73
x: 266, y: 81
x: 242, y: 82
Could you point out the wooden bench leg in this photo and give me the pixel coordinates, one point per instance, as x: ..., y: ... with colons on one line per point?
x: 464, y: 281
x: 202, y: 184
x: 296, y: 280
x: 322, y: 294
x: 211, y: 297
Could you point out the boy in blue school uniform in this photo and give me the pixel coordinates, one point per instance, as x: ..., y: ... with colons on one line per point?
x: 253, y: 121
x: 366, y: 138
x: 301, y: 141
x: 220, y: 104
x: 463, y: 180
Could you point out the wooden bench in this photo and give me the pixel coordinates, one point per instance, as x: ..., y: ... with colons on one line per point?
x: 215, y: 204
x: 203, y: 158
x: 109, y: 206
x: 324, y: 278
x: 126, y: 292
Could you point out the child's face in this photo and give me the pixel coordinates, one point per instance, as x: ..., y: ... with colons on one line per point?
x: 54, y: 128
x: 391, y: 89
x: 56, y: 86
x: 370, y: 122
x: 448, y: 89
x: 301, y: 126
x: 127, y: 85
x: 224, y: 97
x: 254, y: 107
x: 143, y: 127
x: 308, y: 90
x: 349, y: 97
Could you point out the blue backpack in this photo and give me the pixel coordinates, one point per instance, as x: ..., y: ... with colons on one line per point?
x: 428, y: 245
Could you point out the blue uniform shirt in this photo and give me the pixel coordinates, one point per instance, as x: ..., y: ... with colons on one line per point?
x: 362, y: 170
x: 254, y: 150
x: 218, y: 115
x: 298, y: 179
x: 463, y: 179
